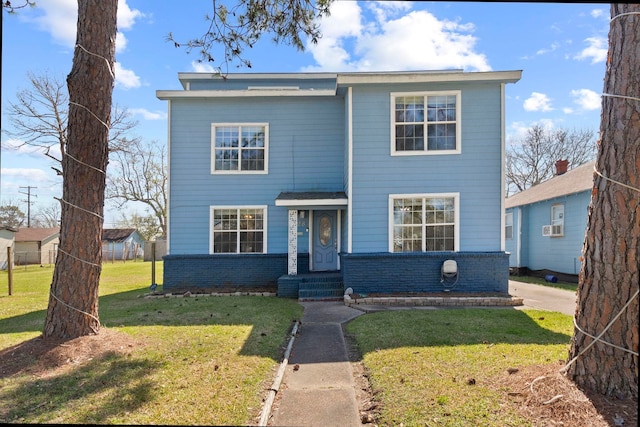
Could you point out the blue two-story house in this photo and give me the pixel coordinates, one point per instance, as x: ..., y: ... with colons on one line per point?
x: 546, y: 224
x: 373, y: 178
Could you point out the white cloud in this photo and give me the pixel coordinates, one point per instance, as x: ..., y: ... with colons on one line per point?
x: 202, y: 67
x: 543, y: 51
x: 586, y: 99
x: 537, y: 102
x: 597, y: 50
x: 20, y: 148
x: 417, y: 40
x: 31, y: 175
x: 126, y: 16
x: 597, y: 13
x: 59, y: 18
x: 127, y: 79
x: 148, y: 115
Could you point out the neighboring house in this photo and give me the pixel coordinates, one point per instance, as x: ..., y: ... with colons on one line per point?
x: 36, y: 245
x: 375, y: 178
x: 121, y: 244
x: 546, y: 224
x: 6, y: 241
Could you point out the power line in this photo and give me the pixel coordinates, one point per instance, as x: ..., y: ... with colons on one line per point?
x: 28, y: 193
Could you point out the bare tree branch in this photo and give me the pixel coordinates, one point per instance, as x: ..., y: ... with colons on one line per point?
x: 140, y: 175
x: 231, y: 30
x: 531, y: 160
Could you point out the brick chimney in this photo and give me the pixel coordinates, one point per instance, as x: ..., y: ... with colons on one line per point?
x: 561, y: 166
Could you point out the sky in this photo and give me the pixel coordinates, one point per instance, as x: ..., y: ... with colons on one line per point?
x: 561, y: 49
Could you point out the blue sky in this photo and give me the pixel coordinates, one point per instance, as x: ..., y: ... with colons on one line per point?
x: 561, y: 49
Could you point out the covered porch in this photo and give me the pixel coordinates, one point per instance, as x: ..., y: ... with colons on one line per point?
x: 314, y: 227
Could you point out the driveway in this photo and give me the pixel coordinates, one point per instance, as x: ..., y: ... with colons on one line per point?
x: 544, y: 297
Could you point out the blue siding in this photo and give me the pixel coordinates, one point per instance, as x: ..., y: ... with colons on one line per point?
x: 560, y: 254
x: 305, y: 154
x: 234, y: 84
x: 475, y: 173
x: 308, y: 151
x: 511, y: 245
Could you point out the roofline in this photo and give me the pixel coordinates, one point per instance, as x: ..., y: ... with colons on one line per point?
x: 559, y: 196
x: 429, y: 77
x: 173, y: 94
x: 345, y: 79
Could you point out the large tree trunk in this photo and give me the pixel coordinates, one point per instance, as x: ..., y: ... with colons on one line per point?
x: 73, y: 302
x: 610, y: 276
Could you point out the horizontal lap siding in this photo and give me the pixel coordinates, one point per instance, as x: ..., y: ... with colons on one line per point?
x: 475, y: 173
x: 561, y: 254
x: 306, y: 140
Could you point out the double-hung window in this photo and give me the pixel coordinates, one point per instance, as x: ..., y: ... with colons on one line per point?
x: 424, y: 223
x: 238, y: 229
x: 508, y: 225
x: 557, y: 220
x: 239, y: 148
x: 425, y: 123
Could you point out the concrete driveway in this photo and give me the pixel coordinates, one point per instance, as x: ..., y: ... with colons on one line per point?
x: 544, y: 297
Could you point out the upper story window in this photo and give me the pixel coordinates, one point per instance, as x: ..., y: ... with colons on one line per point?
x: 425, y: 123
x: 239, y: 148
x: 238, y: 229
x: 557, y: 220
x: 508, y: 225
x: 423, y: 223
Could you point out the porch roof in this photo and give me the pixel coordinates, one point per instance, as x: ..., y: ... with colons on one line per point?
x: 312, y: 199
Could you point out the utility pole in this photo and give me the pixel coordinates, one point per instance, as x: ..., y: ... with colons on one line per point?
x: 28, y: 193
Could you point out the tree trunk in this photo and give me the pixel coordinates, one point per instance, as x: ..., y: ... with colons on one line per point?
x: 610, y: 277
x: 73, y: 301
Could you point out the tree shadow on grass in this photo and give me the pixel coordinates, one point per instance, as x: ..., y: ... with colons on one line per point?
x: 270, y: 318
x: 451, y: 327
x: 108, y: 386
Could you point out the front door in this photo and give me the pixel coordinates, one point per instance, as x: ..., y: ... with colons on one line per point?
x: 325, y: 240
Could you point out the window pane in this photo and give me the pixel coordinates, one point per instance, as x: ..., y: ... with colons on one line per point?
x: 226, y: 136
x: 253, y: 159
x: 224, y: 242
x: 226, y: 160
x: 409, y: 109
x: 441, y: 108
x: 441, y: 137
x: 253, y: 136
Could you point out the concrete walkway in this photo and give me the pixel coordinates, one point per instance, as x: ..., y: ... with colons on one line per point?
x: 544, y: 297
x: 318, y: 387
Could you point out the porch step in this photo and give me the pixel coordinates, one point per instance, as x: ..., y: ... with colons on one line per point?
x: 321, y: 287
x: 312, y: 287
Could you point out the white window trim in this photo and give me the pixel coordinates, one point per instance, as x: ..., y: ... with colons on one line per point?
x: 425, y: 152
x: 506, y: 224
x: 456, y: 204
x: 265, y: 211
x: 554, y: 207
x: 214, y: 171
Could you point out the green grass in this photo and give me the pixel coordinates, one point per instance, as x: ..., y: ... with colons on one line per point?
x: 420, y: 361
x: 206, y: 360
x: 540, y: 281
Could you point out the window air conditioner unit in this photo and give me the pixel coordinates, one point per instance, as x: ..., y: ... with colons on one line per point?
x: 551, y: 230
x: 556, y: 230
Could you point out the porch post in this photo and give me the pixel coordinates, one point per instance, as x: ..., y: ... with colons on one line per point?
x: 292, y: 264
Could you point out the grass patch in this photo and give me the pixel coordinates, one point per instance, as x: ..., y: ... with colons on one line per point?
x: 188, y: 361
x: 540, y: 281
x: 438, y: 367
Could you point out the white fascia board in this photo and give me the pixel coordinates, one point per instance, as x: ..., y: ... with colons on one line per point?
x: 175, y: 94
x: 429, y: 77
x: 315, y: 202
x: 251, y: 76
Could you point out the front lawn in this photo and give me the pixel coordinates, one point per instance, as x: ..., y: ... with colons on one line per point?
x: 444, y: 367
x: 193, y: 361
